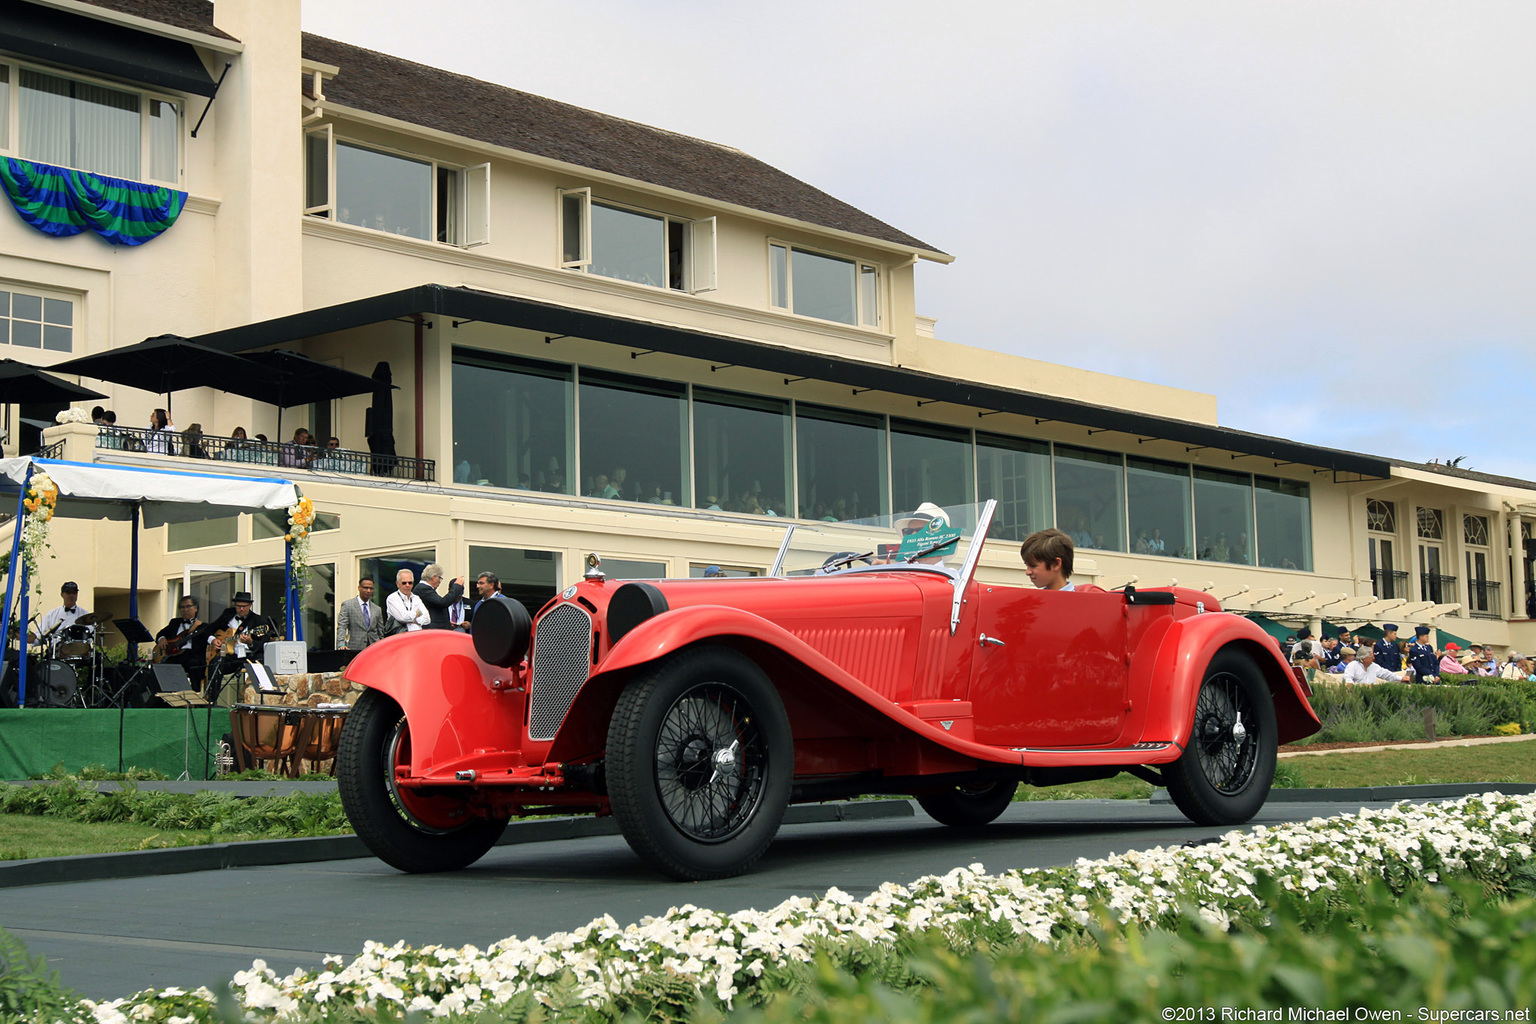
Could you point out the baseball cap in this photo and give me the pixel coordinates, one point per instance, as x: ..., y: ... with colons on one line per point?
x: 71, y: 585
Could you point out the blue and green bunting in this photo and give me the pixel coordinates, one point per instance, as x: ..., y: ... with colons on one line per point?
x: 61, y: 202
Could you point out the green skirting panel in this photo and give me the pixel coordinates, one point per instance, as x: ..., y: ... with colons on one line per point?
x: 169, y: 740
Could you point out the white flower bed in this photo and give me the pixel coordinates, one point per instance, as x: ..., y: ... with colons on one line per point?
x: 1484, y: 836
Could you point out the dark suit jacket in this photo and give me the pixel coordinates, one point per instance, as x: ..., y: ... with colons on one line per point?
x: 253, y: 620
x: 437, y: 604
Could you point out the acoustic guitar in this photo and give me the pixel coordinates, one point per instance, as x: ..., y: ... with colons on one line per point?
x: 224, y: 639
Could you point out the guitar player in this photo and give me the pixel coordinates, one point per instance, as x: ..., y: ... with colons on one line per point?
x: 176, y: 644
x: 238, y: 634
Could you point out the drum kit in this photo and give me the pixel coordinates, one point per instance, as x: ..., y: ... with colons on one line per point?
x: 66, y: 669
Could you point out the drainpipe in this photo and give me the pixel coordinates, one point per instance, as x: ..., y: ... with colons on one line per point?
x: 420, y: 388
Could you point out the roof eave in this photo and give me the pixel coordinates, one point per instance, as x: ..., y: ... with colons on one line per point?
x: 159, y: 28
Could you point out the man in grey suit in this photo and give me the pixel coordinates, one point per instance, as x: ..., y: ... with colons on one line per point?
x: 360, y: 621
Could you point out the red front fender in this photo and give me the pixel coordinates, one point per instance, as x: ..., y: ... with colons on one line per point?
x: 446, y: 693
x: 1179, y: 667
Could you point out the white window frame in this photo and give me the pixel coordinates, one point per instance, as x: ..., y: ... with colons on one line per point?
x: 10, y: 145
x: 700, y: 241
x: 77, y: 304
x: 860, y: 266
x: 473, y: 201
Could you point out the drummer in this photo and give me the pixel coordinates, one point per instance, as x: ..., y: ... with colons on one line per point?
x: 55, y: 622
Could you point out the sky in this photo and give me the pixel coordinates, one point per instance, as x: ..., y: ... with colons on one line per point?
x: 1323, y: 213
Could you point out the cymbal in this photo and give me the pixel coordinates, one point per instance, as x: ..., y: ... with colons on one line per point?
x: 88, y: 619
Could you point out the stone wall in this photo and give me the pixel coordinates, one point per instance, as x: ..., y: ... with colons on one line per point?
x: 306, y: 690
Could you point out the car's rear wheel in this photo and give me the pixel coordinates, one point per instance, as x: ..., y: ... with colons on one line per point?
x: 699, y: 761
x: 969, y: 806
x: 403, y: 828
x: 1228, y: 766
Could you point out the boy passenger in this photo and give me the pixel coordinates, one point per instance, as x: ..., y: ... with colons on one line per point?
x: 1047, y: 558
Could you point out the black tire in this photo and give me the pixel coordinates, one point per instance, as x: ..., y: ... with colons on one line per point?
x: 1225, y: 772
x: 969, y: 806
x: 699, y: 763
x: 403, y: 829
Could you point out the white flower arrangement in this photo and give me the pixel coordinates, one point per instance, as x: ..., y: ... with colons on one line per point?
x: 724, y: 953
x: 72, y: 415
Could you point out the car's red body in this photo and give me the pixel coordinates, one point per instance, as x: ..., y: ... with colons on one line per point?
x: 887, y: 685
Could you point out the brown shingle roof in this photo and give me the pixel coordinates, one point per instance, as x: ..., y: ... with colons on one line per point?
x: 193, y: 15
x: 426, y: 96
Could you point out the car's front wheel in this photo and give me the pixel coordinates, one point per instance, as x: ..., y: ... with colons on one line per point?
x: 402, y: 827
x: 699, y: 762
x: 1228, y: 766
x: 969, y: 806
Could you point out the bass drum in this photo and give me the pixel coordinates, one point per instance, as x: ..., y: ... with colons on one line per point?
x: 74, y: 642
x: 54, y: 686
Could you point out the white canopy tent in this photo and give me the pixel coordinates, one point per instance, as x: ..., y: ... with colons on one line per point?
x: 129, y: 494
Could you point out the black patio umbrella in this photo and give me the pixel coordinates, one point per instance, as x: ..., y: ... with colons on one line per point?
x: 170, y: 363
x: 25, y: 383
x: 379, y: 426
x: 298, y: 380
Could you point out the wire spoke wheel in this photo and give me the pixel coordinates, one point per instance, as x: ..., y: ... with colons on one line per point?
x: 699, y: 761
x: 710, y: 763
x: 1228, y: 764
x: 1223, y: 742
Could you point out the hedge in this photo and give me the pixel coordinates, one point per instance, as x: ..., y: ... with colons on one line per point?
x: 1395, y: 711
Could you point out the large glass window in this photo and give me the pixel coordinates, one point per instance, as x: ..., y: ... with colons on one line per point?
x: 1158, y: 501
x: 202, y: 533
x: 741, y: 453
x: 383, y: 191
x: 382, y: 569
x: 1223, y: 516
x: 512, y: 422
x: 635, y: 245
x: 36, y: 321
x: 528, y: 577
x: 634, y: 439
x: 841, y: 457
x: 629, y: 245
x: 74, y: 123
x: 1090, y: 497
x: 633, y: 569
x: 273, y: 522
x: 929, y: 463
x: 1017, y: 473
x: 1283, y: 509
x: 825, y: 287
x: 319, y: 604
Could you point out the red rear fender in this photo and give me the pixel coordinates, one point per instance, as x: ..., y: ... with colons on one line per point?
x: 448, y: 695
x: 1183, y: 653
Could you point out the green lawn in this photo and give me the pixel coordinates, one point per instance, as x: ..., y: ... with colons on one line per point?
x: 27, y: 835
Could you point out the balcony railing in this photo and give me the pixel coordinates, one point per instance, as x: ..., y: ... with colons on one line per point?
x: 266, y: 453
x: 51, y: 451
x: 1483, y: 599
x: 1437, y: 588
x: 1388, y: 584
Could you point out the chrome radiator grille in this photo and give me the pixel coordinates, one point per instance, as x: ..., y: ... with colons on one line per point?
x: 562, y: 659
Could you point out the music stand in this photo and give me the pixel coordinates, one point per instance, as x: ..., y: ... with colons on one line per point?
x: 133, y: 631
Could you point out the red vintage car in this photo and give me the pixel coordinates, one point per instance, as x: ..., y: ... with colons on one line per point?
x: 868, y: 661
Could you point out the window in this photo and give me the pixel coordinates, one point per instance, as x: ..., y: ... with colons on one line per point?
x: 1482, y: 592
x: 1474, y: 530
x: 696, y: 570
x: 1380, y: 516
x: 529, y: 577
x: 395, y: 192
x: 842, y: 463
x: 1090, y: 497
x: 632, y: 569
x: 1017, y: 473
x: 29, y: 320
x: 1223, y: 516
x: 382, y: 569
x: 741, y: 453
x: 629, y: 244
x: 826, y: 287
x: 930, y: 463
x: 202, y: 533
x: 1283, y: 511
x: 273, y: 522
x: 319, y: 604
x: 512, y: 422
x: 634, y: 438
x: 1431, y: 524
x: 1158, y: 500
x: 71, y: 122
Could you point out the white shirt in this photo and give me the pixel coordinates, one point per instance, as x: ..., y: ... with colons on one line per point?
x: 1355, y: 672
x: 408, y: 610
x: 61, y: 618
